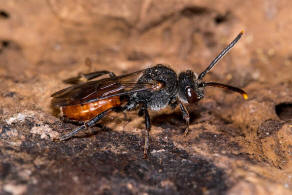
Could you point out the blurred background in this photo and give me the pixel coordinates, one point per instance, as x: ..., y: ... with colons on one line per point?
x: 247, y: 144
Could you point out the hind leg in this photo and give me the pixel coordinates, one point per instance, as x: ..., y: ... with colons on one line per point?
x: 90, y: 123
x: 145, y: 112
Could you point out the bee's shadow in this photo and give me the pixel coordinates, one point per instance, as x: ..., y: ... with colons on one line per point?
x: 174, y: 120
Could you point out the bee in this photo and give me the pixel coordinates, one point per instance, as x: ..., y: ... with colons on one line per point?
x: 152, y: 88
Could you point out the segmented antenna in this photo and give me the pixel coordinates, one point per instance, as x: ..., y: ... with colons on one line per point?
x: 224, y: 86
x: 221, y: 54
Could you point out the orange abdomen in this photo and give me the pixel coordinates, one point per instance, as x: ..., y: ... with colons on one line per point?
x: 84, y: 112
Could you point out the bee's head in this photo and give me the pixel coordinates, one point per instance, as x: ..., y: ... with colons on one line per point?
x: 191, y: 87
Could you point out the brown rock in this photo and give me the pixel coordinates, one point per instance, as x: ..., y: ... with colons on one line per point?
x: 234, y: 146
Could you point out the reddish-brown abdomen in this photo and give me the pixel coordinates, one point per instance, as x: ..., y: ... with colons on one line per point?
x: 88, y: 111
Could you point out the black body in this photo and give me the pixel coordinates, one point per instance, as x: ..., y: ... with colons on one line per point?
x: 159, y: 99
x: 152, y: 88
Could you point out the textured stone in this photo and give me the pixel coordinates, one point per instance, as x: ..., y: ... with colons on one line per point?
x: 233, y: 147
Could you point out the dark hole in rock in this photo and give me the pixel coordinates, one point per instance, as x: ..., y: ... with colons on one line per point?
x: 9, y: 44
x: 4, y: 14
x: 5, y: 43
x: 221, y: 18
x: 284, y: 110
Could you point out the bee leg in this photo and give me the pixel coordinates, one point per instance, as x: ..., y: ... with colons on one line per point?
x: 93, y: 75
x: 90, y: 123
x: 122, y: 109
x: 83, y: 78
x: 173, y: 103
x: 186, y: 116
x: 148, y: 128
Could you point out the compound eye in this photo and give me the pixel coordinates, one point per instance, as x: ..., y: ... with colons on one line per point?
x: 191, y: 95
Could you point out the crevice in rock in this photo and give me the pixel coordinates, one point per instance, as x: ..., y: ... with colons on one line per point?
x: 284, y: 110
x: 221, y: 18
x: 4, y: 14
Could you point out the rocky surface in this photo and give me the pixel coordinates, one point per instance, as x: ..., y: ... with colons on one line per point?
x: 234, y: 146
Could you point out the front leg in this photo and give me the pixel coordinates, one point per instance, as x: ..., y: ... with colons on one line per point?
x: 173, y: 103
x: 186, y: 116
x: 148, y: 128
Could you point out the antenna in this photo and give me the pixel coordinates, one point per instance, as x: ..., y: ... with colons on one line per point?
x: 224, y: 86
x: 221, y: 54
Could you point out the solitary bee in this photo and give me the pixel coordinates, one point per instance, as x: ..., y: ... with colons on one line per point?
x: 152, y: 88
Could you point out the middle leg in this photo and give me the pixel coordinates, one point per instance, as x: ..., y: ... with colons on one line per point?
x: 148, y: 128
x: 186, y: 116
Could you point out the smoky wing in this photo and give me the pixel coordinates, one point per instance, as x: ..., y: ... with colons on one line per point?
x: 100, y: 89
